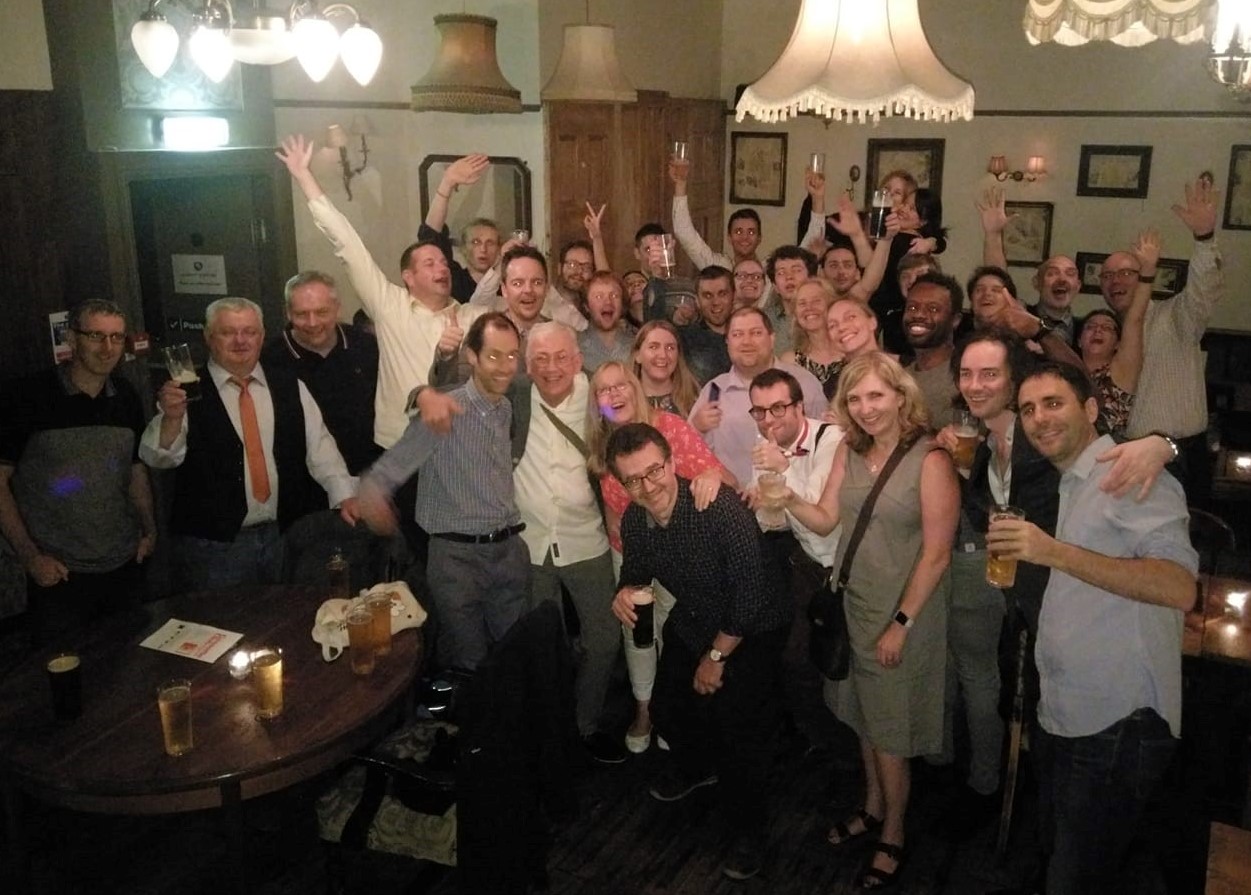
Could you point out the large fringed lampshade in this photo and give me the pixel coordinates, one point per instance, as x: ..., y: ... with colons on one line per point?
x: 1129, y: 23
x: 588, y: 69
x: 858, y: 60
x: 465, y: 76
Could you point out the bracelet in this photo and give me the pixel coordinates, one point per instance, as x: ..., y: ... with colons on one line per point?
x: 443, y: 194
x: 1206, y: 236
x: 1172, y: 443
x: 1150, y: 279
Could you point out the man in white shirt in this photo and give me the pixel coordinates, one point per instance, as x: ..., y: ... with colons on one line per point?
x: 247, y: 453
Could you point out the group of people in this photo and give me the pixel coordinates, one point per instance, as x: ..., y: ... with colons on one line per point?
x: 588, y: 433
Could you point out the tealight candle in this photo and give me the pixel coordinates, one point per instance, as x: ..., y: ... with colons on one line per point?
x: 240, y: 664
x: 1237, y: 601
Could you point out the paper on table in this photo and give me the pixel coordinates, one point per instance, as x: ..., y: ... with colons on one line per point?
x: 195, y: 641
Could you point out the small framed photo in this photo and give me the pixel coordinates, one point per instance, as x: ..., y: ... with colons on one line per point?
x: 1238, y: 190
x: 757, y: 168
x: 1170, y: 274
x: 1119, y: 172
x: 923, y: 159
x: 1027, y: 238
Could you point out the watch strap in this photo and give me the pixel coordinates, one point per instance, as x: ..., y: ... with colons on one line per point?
x: 903, y: 619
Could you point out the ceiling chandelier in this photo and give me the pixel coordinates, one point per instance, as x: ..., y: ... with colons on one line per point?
x: 1127, y: 23
x: 1230, y: 61
x: 255, y: 35
x: 856, y: 60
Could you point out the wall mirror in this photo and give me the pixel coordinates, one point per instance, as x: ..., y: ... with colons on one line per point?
x: 502, y: 194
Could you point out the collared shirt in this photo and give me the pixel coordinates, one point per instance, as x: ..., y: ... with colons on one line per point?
x: 1102, y: 656
x: 595, y: 352
x: 467, y: 483
x: 1000, y: 474
x: 325, y: 463
x: 408, y: 331
x: 712, y: 563
x: 1063, y: 325
x: 554, y: 491
x: 733, y: 439
x: 810, y: 465
x: 1172, y: 391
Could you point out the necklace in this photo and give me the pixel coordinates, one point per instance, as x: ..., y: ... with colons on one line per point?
x: 875, y: 465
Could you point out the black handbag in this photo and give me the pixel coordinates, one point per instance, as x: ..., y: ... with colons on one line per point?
x: 829, y: 646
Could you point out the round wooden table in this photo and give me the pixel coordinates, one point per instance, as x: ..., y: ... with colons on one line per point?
x: 112, y: 758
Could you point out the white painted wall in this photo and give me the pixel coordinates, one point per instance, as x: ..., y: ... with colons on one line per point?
x: 24, y: 47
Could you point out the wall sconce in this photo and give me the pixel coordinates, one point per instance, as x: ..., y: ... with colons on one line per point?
x: 337, y: 138
x: 1035, y: 169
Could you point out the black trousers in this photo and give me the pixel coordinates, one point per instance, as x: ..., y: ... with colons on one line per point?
x: 732, y: 732
x: 81, y: 599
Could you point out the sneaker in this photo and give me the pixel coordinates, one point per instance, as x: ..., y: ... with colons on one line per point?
x: 744, y: 860
x: 672, y: 785
x: 603, y: 748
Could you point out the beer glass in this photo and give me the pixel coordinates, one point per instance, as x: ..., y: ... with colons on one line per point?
x: 521, y: 236
x: 173, y: 699
x: 877, y: 216
x: 679, y: 152
x: 668, y: 255
x: 1001, y: 571
x: 339, y: 574
x: 360, y: 628
x: 816, y: 163
x: 966, y: 427
x: 66, y: 682
x: 644, y: 600
x: 182, y: 370
x: 380, y: 609
x: 772, y: 512
x: 267, y: 675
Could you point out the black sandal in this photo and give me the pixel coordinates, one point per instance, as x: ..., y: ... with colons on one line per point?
x: 875, y: 879
x: 843, y: 831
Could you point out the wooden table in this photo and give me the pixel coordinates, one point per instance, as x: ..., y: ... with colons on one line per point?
x: 1218, y: 632
x: 112, y: 758
x: 1229, y: 869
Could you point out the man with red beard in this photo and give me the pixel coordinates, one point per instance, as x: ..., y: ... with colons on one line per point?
x: 609, y: 336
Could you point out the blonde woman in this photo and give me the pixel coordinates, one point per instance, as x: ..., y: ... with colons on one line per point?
x: 814, y: 348
x: 616, y: 398
x: 659, y: 365
x: 896, y: 595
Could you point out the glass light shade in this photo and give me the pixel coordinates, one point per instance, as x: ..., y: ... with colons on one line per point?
x: 361, y: 49
x: 1232, y: 31
x: 858, y: 60
x: 998, y: 165
x: 210, y: 48
x: 1037, y: 165
x: 588, y: 69
x: 336, y: 137
x: 156, y: 44
x: 317, y: 46
x: 262, y: 40
x: 1128, y: 23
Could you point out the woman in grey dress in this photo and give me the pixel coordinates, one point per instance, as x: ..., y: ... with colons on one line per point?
x: 897, y: 591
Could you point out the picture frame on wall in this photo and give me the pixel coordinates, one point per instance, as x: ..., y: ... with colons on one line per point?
x: 1115, y: 172
x: 757, y: 168
x: 1027, y: 238
x: 1170, y: 274
x: 1238, y: 189
x: 923, y: 159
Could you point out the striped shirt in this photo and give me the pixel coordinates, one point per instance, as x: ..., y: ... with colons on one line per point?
x: 466, y: 485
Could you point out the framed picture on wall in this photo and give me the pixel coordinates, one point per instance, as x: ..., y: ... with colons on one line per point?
x: 1027, y: 238
x: 1118, y: 172
x: 757, y: 168
x: 1170, y: 274
x: 1238, y: 190
x: 923, y: 159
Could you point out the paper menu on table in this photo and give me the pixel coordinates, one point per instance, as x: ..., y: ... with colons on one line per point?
x: 195, y: 641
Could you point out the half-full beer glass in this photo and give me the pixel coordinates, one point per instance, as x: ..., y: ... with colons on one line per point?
x: 1000, y: 570
x: 173, y: 699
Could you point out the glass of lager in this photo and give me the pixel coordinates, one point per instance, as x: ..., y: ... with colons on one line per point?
x: 360, y: 628
x: 380, y: 610
x: 173, y: 698
x: 1001, y: 571
x: 267, y: 678
x: 966, y: 426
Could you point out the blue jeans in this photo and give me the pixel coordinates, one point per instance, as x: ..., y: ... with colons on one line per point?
x: 253, y: 557
x: 1092, y: 792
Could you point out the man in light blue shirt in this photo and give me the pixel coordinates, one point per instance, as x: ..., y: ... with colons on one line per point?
x: 1109, y: 635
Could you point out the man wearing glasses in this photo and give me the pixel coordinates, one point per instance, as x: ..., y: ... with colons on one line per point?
x: 749, y: 283
x: 716, y: 687
x: 75, y: 502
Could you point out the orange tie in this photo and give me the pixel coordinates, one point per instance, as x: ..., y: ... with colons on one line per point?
x: 252, y: 441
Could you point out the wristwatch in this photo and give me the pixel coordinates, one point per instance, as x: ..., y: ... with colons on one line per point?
x: 717, y: 656
x: 902, y: 618
x: 1045, y: 328
x: 1171, y: 441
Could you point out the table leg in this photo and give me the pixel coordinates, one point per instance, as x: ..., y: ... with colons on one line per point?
x: 237, y: 846
x: 16, y: 873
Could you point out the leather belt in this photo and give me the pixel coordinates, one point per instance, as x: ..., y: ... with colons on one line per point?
x: 493, y: 538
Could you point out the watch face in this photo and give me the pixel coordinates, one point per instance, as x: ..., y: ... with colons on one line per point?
x: 715, y: 654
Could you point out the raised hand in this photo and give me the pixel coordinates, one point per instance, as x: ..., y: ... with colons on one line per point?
x: 296, y: 153
x: 1147, y: 250
x: 847, y: 219
x: 592, y: 221
x: 468, y: 169
x: 1199, y: 212
x: 814, y: 183
x: 993, y: 211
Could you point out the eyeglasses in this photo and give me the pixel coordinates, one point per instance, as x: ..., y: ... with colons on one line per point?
x: 616, y: 387
x: 779, y: 409
x: 559, y: 359
x: 1125, y: 273
x: 653, y: 475
x: 749, y: 277
x: 94, y: 335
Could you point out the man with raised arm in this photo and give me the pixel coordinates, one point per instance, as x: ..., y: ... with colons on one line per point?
x: 479, y: 239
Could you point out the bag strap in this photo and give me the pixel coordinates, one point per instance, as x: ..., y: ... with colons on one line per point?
x: 571, y: 436
x: 820, y: 431
x: 866, y: 511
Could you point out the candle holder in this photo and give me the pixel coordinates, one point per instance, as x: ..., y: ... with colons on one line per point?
x: 240, y: 662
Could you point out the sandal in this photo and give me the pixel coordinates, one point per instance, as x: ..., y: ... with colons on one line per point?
x: 875, y: 878
x: 841, y: 833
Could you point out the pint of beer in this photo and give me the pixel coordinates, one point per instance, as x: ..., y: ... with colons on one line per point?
x: 182, y: 370
x: 668, y: 255
x: 877, y: 216
x: 173, y: 698
x: 380, y: 609
x: 267, y: 676
x: 360, y: 628
x: 66, y: 684
x: 1001, y: 571
x: 772, y: 512
x: 966, y: 439
x: 644, y: 600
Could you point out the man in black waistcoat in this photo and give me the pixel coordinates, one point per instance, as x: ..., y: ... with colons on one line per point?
x: 250, y: 454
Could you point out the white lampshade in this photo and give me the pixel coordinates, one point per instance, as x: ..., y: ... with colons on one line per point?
x: 361, y: 49
x: 210, y: 48
x: 1128, y: 23
x: 854, y: 59
x: 156, y: 43
x: 317, y: 46
x: 262, y: 40
x: 588, y: 69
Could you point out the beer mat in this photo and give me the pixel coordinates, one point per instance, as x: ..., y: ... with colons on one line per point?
x: 195, y: 641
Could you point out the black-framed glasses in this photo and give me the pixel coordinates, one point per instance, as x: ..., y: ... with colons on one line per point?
x: 653, y: 474
x: 749, y: 277
x: 1124, y: 273
x: 94, y: 335
x: 779, y: 409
